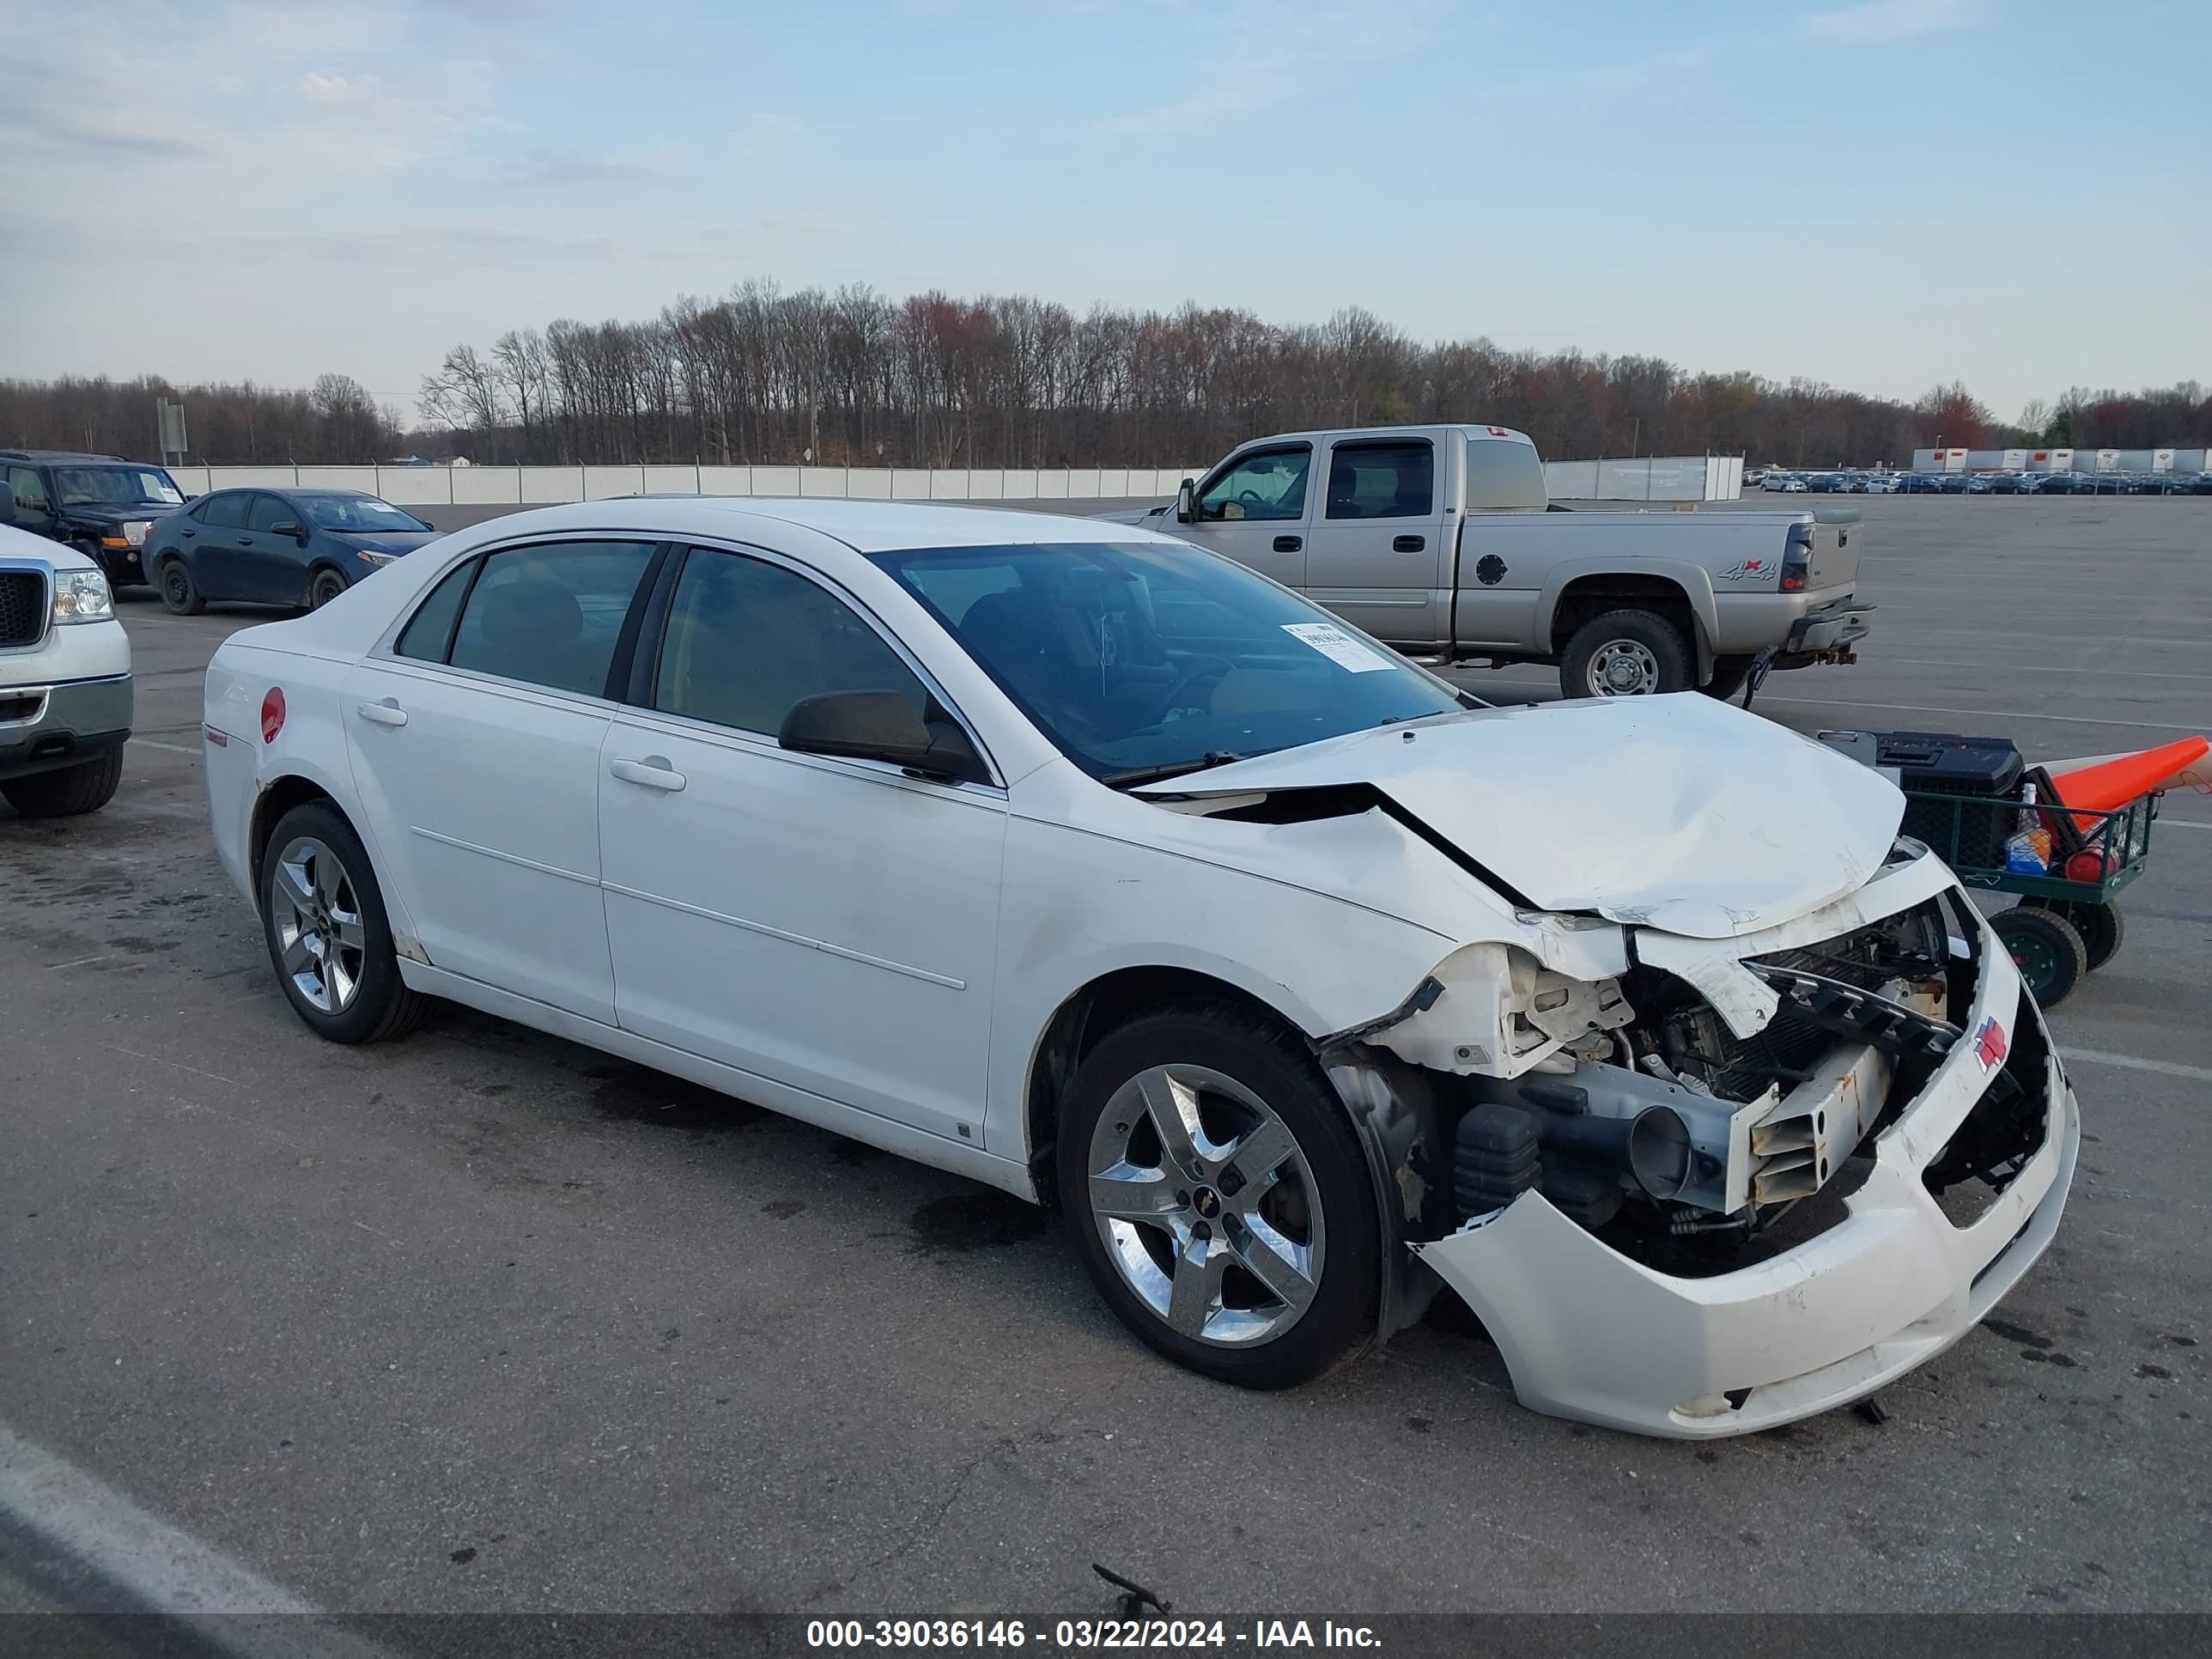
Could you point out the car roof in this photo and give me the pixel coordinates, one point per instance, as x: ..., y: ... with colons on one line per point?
x: 62, y: 455
x: 864, y: 527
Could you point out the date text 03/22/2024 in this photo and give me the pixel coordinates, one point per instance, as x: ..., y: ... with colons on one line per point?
x: 1081, y: 1634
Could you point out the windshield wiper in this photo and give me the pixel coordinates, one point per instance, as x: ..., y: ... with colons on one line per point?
x: 1137, y: 774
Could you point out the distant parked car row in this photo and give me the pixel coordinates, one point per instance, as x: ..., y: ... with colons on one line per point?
x: 1851, y: 482
x: 295, y: 547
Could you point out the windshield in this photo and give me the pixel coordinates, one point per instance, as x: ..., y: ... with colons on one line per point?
x: 1133, y: 658
x: 363, y: 513
x: 114, y: 486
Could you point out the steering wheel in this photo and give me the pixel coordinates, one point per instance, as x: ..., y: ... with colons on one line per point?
x: 1200, y: 668
x: 1250, y: 499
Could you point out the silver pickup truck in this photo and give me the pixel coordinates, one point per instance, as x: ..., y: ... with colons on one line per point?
x: 1437, y: 540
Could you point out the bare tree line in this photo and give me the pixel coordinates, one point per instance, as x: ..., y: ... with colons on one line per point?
x: 855, y: 378
x: 334, y: 421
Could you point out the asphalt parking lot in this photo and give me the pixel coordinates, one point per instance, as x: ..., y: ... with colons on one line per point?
x: 481, y: 1321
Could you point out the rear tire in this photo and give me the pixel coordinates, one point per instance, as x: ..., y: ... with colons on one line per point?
x: 2103, y: 928
x: 68, y: 791
x: 2046, y: 948
x: 179, y: 591
x: 322, y: 916
x: 1626, y: 653
x: 1250, y: 1251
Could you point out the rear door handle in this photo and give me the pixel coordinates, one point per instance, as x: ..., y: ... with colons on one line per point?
x: 387, y: 713
x: 1408, y: 544
x: 1289, y: 543
x: 191, y: 533
x: 653, y: 772
x: 246, y: 541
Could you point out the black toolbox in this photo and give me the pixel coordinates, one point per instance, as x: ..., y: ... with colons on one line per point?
x: 1946, y: 764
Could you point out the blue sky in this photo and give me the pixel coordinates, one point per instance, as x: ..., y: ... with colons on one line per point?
x: 1883, y: 196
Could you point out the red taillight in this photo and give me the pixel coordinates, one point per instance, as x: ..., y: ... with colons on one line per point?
x: 272, y: 714
x: 1797, y: 559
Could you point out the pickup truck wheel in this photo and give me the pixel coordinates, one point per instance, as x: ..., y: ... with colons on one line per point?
x: 1625, y: 653
x: 1728, y: 675
x: 1220, y: 1198
x: 179, y: 591
x: 68, y: 791
x: 323, y: 915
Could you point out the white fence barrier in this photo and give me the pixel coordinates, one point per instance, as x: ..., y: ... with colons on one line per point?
x: 543, y: 486
x: 1649, y: 478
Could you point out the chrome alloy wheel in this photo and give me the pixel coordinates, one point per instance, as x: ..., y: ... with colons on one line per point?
x: 1623, y: 668
x: 320, y: 937
x: 1207, y: 1204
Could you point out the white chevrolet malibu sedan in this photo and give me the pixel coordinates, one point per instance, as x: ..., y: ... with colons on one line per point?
x: 1093, y: 866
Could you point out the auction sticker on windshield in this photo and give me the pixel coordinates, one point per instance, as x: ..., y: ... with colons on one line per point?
x: 1338, y: 647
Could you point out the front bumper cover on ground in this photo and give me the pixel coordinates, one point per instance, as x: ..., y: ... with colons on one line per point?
x: 1589, y: 1334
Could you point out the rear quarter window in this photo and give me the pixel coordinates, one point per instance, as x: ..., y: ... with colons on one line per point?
x: 1504, y: 474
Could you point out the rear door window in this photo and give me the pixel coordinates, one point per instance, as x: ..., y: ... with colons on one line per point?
x: 551, y: 615
x: 1382, y: 481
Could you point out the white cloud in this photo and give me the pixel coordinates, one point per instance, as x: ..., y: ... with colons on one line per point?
x: 1280, y: 50
x: 1896, y: 20
x: 321, y: 89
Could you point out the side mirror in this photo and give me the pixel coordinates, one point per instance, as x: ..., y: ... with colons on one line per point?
x: 879, y: 725
x: 1185, y: 503
x: 288, y: 527
x: 7, y: 505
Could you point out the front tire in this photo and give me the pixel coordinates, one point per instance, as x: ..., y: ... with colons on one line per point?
x: 1220, y: 1198
x: 327, y: 584
x: 322, y: 915
x: 68, y: 791
x: 179, y: 591
x: 1626, y: 653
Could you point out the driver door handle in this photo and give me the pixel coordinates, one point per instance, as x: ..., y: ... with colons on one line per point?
x: 653, y: 772
x: 1408, y: 544
x: 387, y: 713
x: 1289, y: 543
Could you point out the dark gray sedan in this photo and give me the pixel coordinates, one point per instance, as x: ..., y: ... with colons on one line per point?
x: 275, y: 546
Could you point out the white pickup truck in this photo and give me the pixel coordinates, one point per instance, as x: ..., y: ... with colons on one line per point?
x: 1437, y: 540
x: 65, y: 689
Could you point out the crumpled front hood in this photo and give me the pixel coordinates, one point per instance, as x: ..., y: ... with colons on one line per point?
x: 1675, y: 812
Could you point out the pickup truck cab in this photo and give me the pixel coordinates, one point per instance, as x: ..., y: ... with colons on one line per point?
x: 1438, y: 540
x: 65, y: 691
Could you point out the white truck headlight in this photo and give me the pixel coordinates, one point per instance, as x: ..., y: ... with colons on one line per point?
x: 81, y: 596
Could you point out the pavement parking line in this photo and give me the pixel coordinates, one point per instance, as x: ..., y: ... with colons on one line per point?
x: 2132, y: 1063
x: 146, y: 1564
x: 2044, y: 668
x: 174, y: 748
x: 2002, y: 714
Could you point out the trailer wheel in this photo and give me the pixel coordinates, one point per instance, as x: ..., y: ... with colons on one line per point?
x: 2102, y: 927
x: 2046, y: 948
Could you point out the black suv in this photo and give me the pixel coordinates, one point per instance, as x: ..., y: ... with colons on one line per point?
x: 100, y: 505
